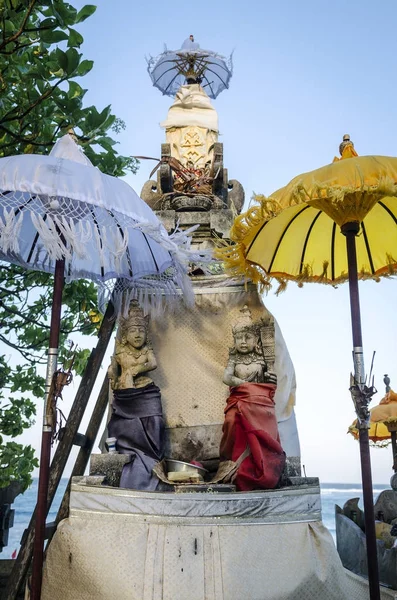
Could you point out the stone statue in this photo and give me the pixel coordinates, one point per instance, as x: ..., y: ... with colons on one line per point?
x: 133, y: 357
x: 137, y: 419
x: 250, y: 433
x: 246, y: 359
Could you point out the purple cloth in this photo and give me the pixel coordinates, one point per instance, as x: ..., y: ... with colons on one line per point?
x: 138, y: 425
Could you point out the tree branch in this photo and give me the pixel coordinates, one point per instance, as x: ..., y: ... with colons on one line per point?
x: 25, y: 355
x: 22, y: 316
x: 43, y: 97
x: 21, y: 29
x: 21, y: 139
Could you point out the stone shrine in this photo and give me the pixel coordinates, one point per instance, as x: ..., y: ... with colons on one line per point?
x: 187, y: 542
x: 193, y: 188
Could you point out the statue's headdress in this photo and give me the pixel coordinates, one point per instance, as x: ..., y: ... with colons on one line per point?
x: 136, y: 317
x: 245, y: 322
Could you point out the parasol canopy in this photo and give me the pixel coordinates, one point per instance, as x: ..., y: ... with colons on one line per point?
x: 62, y: 207
x: 382, y: 418
x: 295, y: 234
x: 191, y: 64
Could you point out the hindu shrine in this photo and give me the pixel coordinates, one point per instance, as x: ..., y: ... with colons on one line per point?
x: 198, y: 493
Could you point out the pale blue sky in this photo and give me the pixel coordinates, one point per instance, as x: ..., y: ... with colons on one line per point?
x: 305, y: 73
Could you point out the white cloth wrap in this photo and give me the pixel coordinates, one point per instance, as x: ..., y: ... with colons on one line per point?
x: 192, y: 107
x: 192, y: 349
x: 124, y: 544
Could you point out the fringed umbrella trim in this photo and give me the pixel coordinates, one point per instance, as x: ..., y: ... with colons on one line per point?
x: 374, y: 442
x: 238, y: 266
x: 233, y: 255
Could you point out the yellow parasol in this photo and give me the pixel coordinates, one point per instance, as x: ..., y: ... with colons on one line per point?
x: 383, y: 424
x: 304, y: 242
x: 333, y: 224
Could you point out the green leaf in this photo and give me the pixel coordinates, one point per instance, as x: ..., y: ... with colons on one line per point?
x: 65, y: 12
x: 84, y: 67
x: 75, y: 39
x: 73, y: 60
x: 39, y: 110
x: 62, y: 59
x: 75, y: 90
x: 50, y: 36
x: 85, y: 12
x: 48, y: 23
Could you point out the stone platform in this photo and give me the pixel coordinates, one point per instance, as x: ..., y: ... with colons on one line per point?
x: 260, y: 545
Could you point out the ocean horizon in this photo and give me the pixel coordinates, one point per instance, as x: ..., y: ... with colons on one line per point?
x: 331, y: 493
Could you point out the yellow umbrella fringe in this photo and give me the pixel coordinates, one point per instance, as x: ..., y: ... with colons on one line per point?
x: 266, y: 209
x: 374, y: 443
x: 233, y: 255
x: 380, y: 443
x: 341, y: 203
x: 281, y: 287
x: 391, y: 264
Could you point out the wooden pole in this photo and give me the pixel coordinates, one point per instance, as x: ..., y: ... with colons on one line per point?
x: 45, y: 455
x: 84, y: 454
x: 61, y: 455
x: 350, y: 230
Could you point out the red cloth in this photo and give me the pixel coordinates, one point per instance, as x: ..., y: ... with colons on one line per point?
x: 250, y: 420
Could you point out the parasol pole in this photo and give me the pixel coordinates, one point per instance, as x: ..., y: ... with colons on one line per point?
x: 392, y: 427
x: 350, y: 230
x: 45, y: 455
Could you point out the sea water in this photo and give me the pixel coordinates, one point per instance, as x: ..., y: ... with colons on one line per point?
x: 331, y: 494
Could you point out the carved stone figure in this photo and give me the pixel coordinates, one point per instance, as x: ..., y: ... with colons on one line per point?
x: 250, y: 432
x: 133, y: 357
x: 235, y: 195
x: 137, y: 420
x: 246, y: 358
x: 151, y: 194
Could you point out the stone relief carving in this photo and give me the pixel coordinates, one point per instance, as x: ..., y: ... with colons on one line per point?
x: 133, y: 357
x: 251, y: 359
x: 235, y: 195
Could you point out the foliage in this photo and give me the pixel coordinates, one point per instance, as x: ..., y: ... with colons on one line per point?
x: 41, y: 98
x: 39, y: 95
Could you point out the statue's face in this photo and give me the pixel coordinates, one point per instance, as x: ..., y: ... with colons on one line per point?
x: 136, y: 336
x: 245, y: 341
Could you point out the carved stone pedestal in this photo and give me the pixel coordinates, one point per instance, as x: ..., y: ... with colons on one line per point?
x: 110, y: 465
x: 263, y: 545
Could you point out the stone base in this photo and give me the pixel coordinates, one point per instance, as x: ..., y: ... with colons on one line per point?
x: 293, y: 468
x: 352, y: 548
x: 210, y: 222
x: 110, y: 466
x: 261, y: 545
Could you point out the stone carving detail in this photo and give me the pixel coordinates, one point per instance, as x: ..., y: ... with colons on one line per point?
x: 133, y: 357
x: 191, y: 177
x: 253, y: 343
x: 192, y: 145
x: 268, y: 337
x: 235, y: 196
x: 151, y: 194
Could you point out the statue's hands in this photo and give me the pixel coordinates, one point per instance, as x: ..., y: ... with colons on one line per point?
x: 135, y: 370
x: 270, y: 377
x: 251, y: 378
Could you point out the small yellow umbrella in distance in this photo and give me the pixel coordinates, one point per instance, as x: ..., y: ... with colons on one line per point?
x: 383, y: 424
x: 333, y: 224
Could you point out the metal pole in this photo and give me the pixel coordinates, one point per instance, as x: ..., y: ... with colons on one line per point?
x: 394, y: 448
x: 41, y: 511
x: 62, y: 452
x: 350, y: 230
